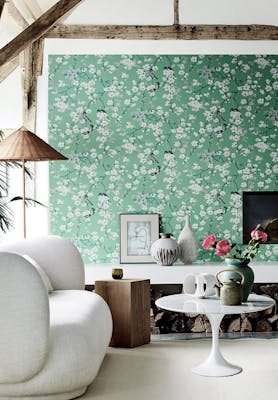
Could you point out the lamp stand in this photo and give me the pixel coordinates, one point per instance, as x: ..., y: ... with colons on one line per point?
x: 23, y: 199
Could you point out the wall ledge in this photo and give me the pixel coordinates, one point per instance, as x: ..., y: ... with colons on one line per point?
x: 265, y: 272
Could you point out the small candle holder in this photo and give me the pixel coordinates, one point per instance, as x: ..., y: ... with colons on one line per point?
x: 117, y: 273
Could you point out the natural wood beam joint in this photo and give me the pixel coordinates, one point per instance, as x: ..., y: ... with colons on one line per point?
x: 171, y: 32
x: 31, y: 68
x: 176, y: 12
x: 8, y: 68
x: 36, y: 29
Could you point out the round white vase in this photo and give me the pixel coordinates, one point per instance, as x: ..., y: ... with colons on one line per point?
x: 188, y: 243
x: 165, y: 251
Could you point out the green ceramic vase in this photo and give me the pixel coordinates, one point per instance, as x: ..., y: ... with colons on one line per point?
x: 242, y: 266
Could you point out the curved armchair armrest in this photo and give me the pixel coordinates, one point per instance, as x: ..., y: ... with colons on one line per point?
x: 24, y: 319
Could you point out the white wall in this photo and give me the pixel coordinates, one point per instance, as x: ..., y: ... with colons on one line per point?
x: 129, y: 12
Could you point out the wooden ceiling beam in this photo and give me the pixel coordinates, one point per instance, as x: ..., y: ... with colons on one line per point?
x: 33, y: 8
x: 14, y: 12
x: 24, y: 10
x: 2, y: 2
x: 174, y: 32
x: 8, y: 68
x: 31, y: 64
x: 37, y: 29
x: 176, y: 12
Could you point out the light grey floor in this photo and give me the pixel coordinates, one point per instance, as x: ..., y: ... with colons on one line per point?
x: 162, y: 371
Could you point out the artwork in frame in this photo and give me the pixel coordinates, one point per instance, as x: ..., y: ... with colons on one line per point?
x: 138, y: 232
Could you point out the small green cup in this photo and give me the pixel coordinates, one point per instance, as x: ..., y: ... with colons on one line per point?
x: 117, y: 273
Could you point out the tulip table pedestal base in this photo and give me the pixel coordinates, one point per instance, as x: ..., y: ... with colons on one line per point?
x: 215, y: 365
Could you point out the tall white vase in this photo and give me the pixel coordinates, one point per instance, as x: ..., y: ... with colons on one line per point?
x: 188, y: 243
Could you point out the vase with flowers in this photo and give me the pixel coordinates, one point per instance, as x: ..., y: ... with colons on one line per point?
x: 237, y: 257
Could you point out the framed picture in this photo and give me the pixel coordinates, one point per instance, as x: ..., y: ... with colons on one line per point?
x: 138, y: 232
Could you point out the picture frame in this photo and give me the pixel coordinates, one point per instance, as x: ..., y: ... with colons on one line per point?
x: 137, y: 233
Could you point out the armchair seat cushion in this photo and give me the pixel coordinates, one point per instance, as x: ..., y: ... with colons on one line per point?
x: 52, y: 340
x: 80, y: 330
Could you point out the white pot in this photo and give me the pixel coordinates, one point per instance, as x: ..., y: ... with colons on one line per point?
x: 165, y: 251
x: 188, y: 243
x: 199, y: 285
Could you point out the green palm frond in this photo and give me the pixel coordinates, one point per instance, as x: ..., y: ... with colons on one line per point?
x: 5, y: 216
x: 28, y: 201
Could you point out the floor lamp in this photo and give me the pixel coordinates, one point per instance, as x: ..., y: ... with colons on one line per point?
x: 23, y: 145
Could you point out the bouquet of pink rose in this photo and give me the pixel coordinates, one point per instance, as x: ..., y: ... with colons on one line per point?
x: 224, y: 248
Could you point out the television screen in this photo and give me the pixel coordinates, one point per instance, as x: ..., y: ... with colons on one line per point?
x: 260, y: 210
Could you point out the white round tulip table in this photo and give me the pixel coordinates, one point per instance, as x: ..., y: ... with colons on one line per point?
x: 215, y: 365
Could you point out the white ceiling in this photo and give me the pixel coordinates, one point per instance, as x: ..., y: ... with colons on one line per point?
x: 147, y: 12
x: 160, y: 11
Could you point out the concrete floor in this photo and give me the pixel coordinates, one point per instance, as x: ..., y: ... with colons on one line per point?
x: 162, y: 371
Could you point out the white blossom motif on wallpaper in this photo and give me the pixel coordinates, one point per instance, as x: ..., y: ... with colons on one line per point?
x: 167, y: 134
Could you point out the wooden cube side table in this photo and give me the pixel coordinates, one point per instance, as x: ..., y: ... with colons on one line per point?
x: 129, y: 302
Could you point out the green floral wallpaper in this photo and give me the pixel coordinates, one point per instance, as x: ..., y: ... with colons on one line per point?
x: 167, y: 134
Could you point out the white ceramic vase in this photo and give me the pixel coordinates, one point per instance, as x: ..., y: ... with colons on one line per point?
x: 165, y: 251
x: 188, y: 243
x: 199, y: 285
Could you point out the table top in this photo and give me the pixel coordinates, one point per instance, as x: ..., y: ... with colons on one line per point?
x: 211, y: 305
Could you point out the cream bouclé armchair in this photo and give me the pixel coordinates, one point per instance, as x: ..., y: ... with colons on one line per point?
x: 53, y: 333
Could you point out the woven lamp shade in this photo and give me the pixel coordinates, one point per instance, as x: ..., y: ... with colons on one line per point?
x: 23, y: 145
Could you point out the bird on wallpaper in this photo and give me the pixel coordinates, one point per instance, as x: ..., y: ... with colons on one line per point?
x: 168, y: 69
x: 221, y: 211
x: 87, y: 119
x: 155, y: 170
x: 91, y: 209
x: 220, y: 129
x: 154, y: 159
x: 219, y: 198
x: 219, y: 115
x: 154, y: 87
x: 152, y: 74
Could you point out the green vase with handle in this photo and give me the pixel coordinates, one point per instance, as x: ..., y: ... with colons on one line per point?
x: 243, y: 267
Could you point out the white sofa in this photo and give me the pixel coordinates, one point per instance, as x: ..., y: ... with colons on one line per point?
x: 51, y: 344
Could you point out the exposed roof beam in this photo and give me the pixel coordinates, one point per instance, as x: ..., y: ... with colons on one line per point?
x: 36, y: 29
x: 31, y: 67
x: 14, y: 12
x: 2, y: 2
x: 176, y: 12
x: 24, y: 11
x: 8, y: 68
x: 175, y: 32
x: 33, y: 8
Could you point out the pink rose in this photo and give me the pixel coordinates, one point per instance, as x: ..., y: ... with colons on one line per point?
x: 259, y: 235
x: 209, y: 242
x: 223, y: 247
